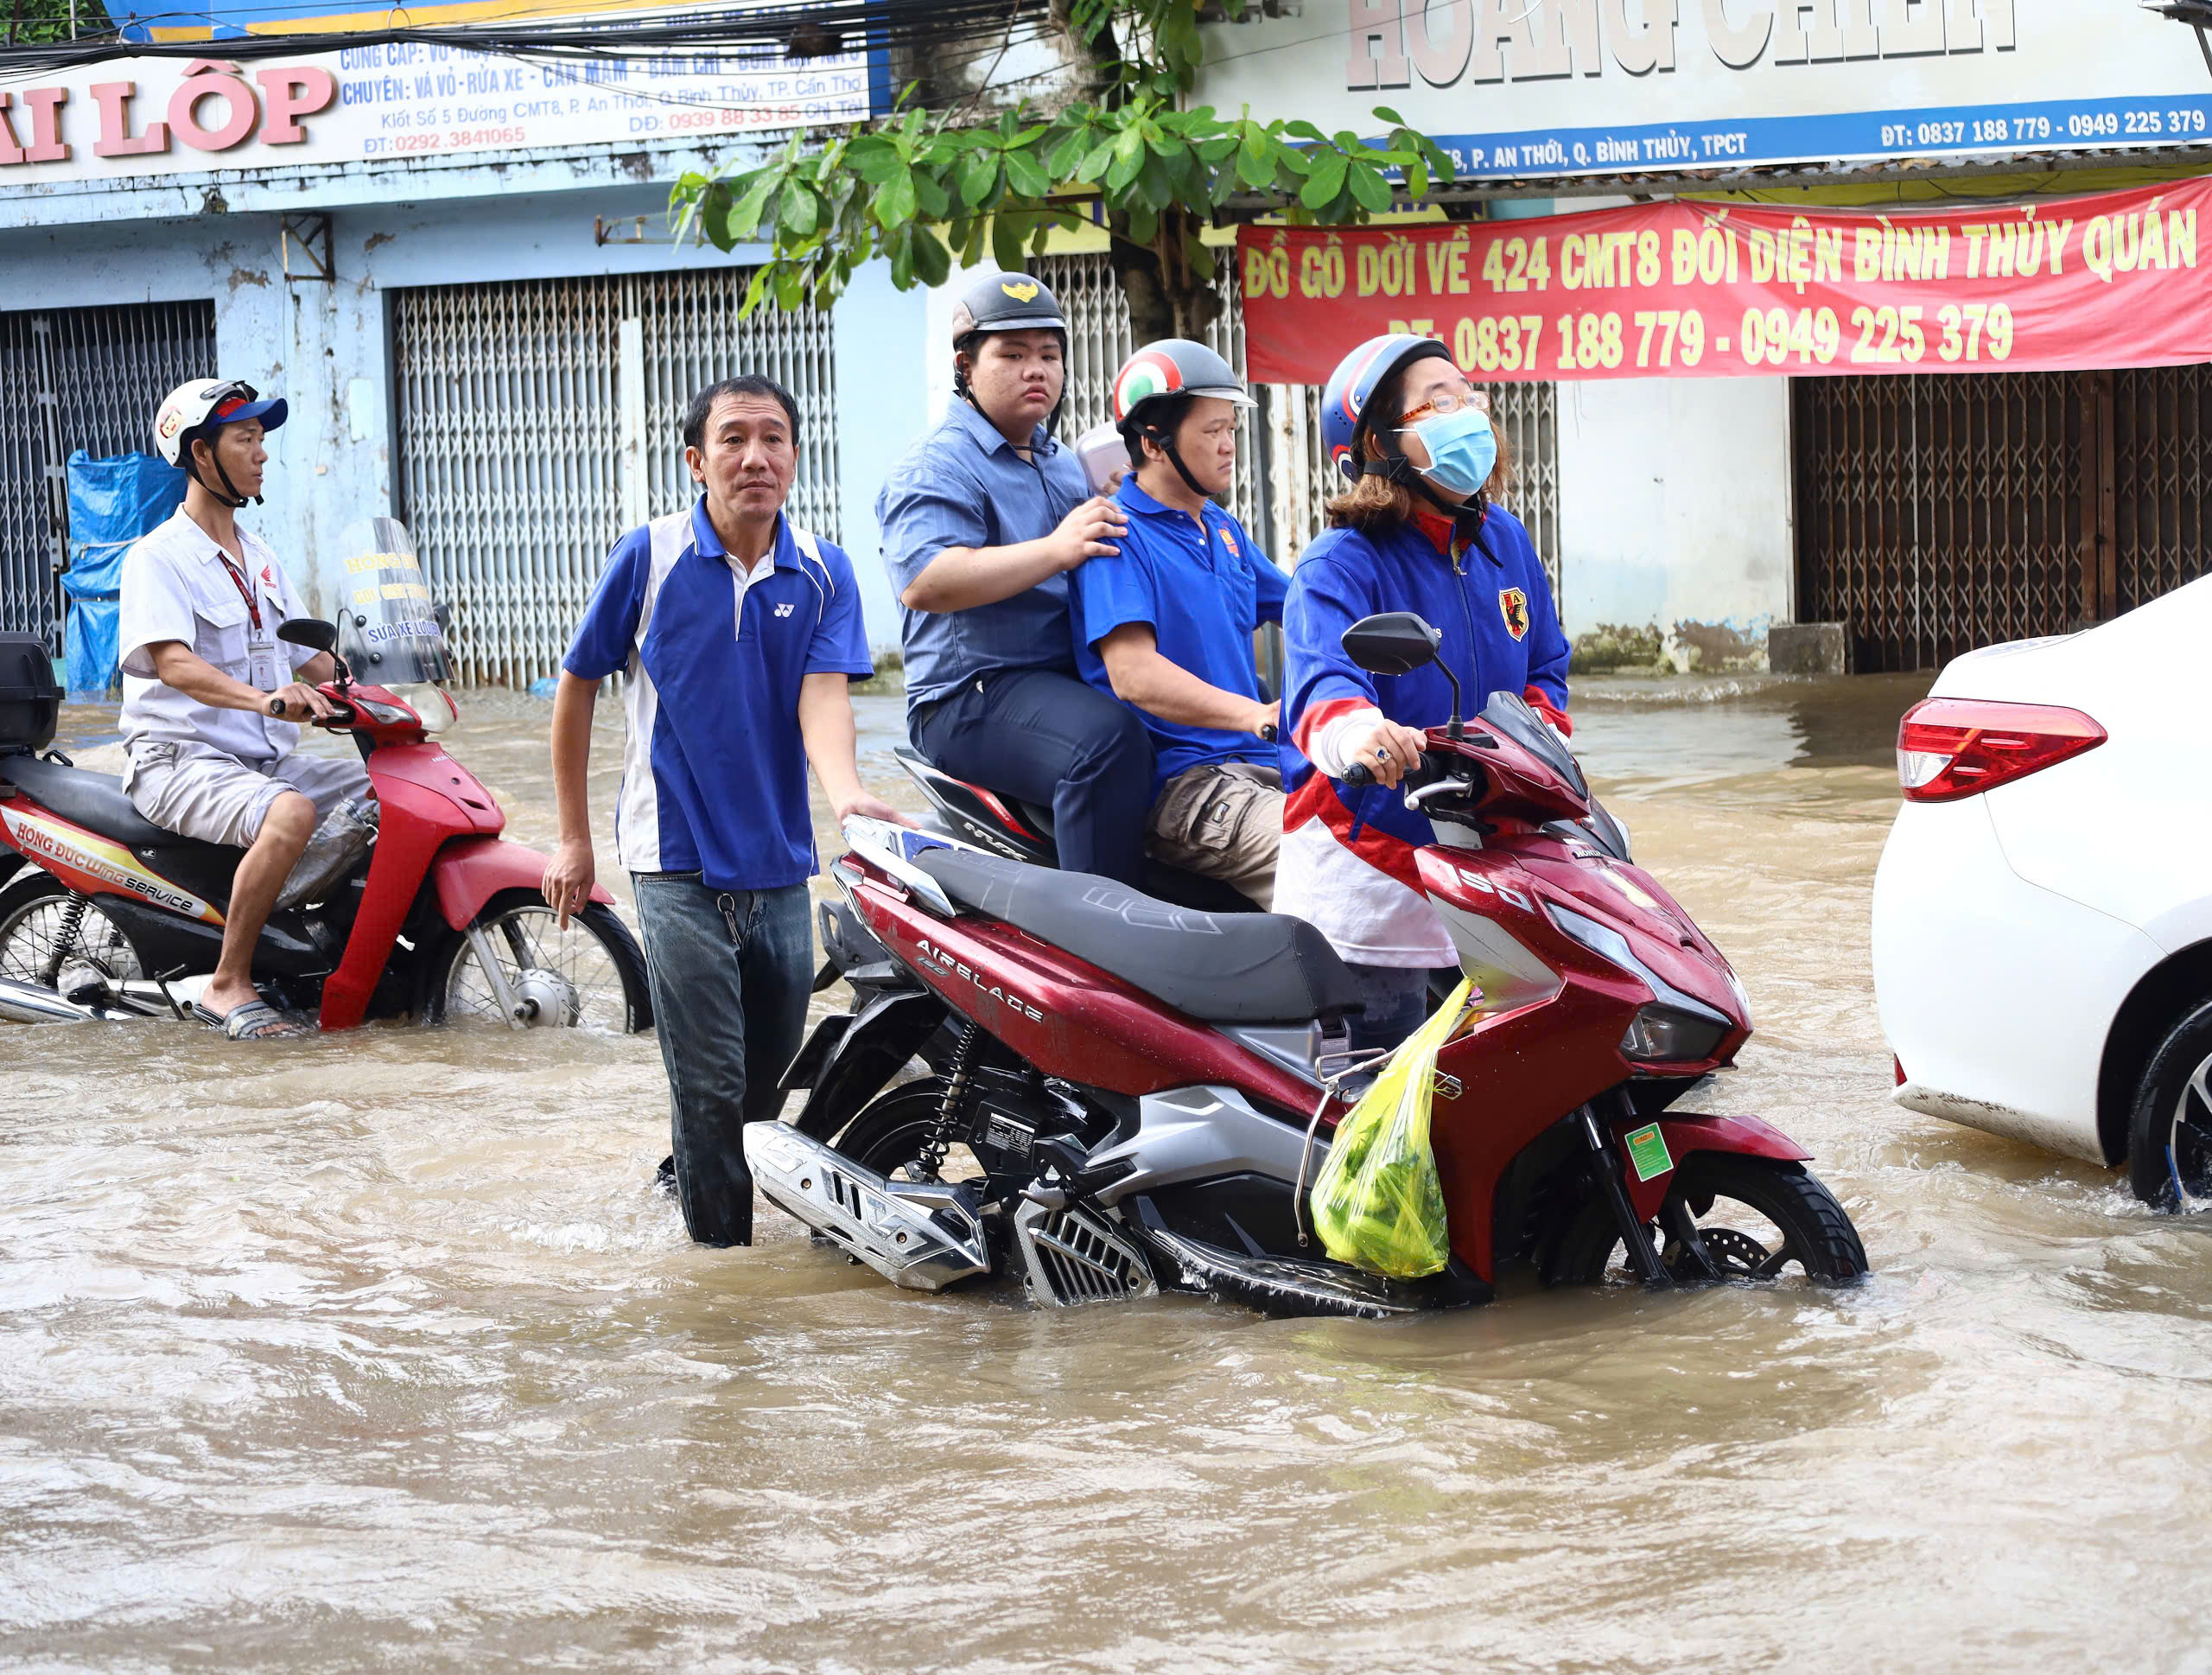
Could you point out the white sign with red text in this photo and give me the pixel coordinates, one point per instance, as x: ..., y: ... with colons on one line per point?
x: 132, y: 118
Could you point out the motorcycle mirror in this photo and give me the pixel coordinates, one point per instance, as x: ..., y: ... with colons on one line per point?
x: 1397, y: 643
x: 318, y: 635
x: 443, y: 614
x: 311, y: 631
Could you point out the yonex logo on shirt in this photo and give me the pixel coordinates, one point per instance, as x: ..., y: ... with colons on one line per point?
x: 783, y: 610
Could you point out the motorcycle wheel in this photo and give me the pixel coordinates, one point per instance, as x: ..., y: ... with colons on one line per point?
x: 591, y: 976
x: 888, y: 1134
x: 33, y: 911
x: 1758, y: 1218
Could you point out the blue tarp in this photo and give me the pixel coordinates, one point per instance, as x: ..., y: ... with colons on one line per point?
x: 111, y: 503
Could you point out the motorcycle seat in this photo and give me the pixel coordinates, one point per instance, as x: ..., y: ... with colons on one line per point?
x: 1221, y: 968
x: 94, y: 801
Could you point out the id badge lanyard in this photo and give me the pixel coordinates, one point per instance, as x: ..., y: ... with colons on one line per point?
x: 260, y: 647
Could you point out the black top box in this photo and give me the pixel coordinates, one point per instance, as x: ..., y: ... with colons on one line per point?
x: 30, y: 697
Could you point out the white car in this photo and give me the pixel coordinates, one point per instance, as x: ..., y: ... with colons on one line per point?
x: 2042, y: 912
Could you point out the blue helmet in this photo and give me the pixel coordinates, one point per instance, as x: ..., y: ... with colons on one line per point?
x: 1345, y: 398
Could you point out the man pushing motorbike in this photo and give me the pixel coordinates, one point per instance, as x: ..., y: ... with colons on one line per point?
x: 1166, y: 626
x: 209, y: 692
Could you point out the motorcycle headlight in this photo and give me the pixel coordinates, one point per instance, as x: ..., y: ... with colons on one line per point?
x: 430, y: 703
x: 386, y: 715
x: 1663, y: 1035
x: 1674, y: 1027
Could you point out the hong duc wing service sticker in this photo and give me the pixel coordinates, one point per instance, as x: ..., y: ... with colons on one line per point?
x: 1513, y: 606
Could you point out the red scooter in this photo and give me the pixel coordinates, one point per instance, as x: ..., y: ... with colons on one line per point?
x: 1136, y: 1096
x: 438, y: 916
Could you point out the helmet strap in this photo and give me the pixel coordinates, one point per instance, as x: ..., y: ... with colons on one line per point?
x: 1154, y: 434
x: 227, y: 494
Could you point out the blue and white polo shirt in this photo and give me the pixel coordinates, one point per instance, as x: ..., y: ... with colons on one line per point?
x: 713, y: 771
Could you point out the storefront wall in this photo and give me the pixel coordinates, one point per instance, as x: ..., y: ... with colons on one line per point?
x: 326, y: 347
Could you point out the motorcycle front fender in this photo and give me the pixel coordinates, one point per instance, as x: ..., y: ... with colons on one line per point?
x: 849, y: 1059
x: 1688, y: 1131
x: 470, y: 871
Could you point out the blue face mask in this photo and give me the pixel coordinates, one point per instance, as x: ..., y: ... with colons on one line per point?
x: 1462, y: 449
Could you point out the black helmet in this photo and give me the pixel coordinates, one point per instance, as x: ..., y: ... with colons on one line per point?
x: 1173, y: 370
x: 1005, y: 303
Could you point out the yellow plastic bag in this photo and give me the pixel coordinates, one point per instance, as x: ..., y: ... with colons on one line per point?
x: 1377, y: 1204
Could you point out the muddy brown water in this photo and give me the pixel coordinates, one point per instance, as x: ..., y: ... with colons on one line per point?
x: 379, y: 1352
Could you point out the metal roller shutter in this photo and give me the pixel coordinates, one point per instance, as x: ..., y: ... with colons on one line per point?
x: 539, y: 418
x: 93, y: 377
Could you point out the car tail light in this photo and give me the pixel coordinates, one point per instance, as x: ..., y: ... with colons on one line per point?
x: 1952, y: 747
x: 1899, y: 1065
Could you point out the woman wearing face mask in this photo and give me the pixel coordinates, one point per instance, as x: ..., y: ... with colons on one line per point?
x: 1413, y: 529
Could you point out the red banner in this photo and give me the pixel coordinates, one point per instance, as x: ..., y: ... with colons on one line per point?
x: 1712, y: 290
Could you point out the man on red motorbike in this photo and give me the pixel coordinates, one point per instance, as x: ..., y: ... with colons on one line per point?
x: 1416, y: 529
x: 1166, y: 626
x: 208, y: 689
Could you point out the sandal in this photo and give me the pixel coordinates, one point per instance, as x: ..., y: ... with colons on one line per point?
x: 251, y: 1021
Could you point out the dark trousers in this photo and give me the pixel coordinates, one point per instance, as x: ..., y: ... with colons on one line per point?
x: 1049, y: 739
x: 730, y: 972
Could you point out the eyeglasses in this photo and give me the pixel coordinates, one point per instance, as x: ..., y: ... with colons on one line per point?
x: 1445, y: 402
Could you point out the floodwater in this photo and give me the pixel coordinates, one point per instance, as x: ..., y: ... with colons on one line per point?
x: 381, y: 1352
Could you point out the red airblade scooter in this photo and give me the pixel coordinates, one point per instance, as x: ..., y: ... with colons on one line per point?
x: 438, y: 915
x: 1126, y: 1096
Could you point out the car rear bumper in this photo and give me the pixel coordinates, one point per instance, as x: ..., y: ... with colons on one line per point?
x: 1996, y: 995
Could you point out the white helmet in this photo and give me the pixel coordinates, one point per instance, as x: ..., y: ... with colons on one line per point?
x: 201, y: 408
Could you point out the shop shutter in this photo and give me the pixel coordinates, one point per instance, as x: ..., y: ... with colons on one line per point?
x: 539, y: 418
x: 1936, y: 514
x: 87, y: 378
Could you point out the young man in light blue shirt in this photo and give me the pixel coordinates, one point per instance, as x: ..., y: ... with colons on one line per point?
x: 983, y: 521
x: 738, y: 635
x: 1167, y: 626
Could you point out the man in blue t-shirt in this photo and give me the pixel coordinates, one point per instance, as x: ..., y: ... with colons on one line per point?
x: 738, y: 635
x: 1166, y: 626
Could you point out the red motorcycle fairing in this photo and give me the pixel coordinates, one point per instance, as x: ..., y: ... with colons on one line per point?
x: 470, y: 871
x: 1692, y: 1131
x: 1062, y: 1014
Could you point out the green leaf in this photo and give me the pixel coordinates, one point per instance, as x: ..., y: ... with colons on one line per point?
x: 1304, y: 131
x: 1370, y: 187
x: 800, y: 210
x: 1144, y: 223
x: 931, y: 196
x: 1095, y: 163
x: 1389, y: 116
x: 1324, y: 181
x: 895, y: 204
x: 1025, y: 175
x: 977, y: 177
x: 1124, y: 168
x: 1040, y: 237
x: 1257, y: 173
x: 791, y: 286
x: 1213, y: 150
x: 745, y: 214
x: 1199, y: 257
x: 1006, y: 241
x: 1064, y: 158
x: 1416, y: 180
x: 932, y: 262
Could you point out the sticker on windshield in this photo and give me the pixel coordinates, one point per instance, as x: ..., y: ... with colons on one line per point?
x: 1647, y: 1150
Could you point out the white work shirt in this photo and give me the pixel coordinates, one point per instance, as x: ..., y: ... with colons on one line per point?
x: 176, y: 585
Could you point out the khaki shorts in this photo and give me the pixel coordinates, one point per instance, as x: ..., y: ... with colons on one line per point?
x: 197, y: 791
x: 1223, y: 821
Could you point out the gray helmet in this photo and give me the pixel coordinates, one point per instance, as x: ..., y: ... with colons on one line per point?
x: 1174, y: 370
x: 1174, y: 366
x: 1005, y: 302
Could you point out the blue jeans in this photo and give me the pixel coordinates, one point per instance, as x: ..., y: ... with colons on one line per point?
x: 730, y: 972
x: 1049, y: 739
x: 1397, y: 1004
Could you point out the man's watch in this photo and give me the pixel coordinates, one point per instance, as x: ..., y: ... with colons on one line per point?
x: 276, y: 705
